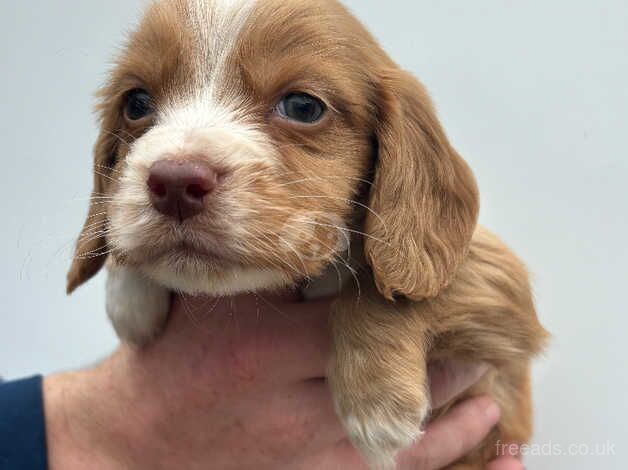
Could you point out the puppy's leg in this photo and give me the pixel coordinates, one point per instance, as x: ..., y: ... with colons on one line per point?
x: 488, y: 315
x: 137, y: 306
x: 378, y: 375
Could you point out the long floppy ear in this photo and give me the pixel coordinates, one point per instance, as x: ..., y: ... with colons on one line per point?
x: 91, y: 248
x: 424, y: 195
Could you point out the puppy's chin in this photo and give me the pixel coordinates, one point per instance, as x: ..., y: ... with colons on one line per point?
x: 199, y: 279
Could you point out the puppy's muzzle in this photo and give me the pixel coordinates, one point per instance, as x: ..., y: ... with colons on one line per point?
x: 179, y: 188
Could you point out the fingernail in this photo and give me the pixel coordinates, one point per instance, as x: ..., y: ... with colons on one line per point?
x: 492, y: 411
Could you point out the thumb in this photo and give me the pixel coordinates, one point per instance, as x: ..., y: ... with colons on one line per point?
x: 451, y: 377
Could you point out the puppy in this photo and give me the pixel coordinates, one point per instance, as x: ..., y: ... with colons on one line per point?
x: 252, y: 145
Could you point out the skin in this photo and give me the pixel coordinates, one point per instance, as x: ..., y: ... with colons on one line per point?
x: 232, y: 384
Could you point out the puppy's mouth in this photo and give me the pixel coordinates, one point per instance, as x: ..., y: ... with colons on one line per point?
x: 188, y: 251
x: 177, y: 247
x: 205, y: 266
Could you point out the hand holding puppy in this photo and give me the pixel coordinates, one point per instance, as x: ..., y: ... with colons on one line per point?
x: 235, y: 384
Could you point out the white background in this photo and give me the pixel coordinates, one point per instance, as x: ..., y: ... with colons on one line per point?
x: 533, y: 93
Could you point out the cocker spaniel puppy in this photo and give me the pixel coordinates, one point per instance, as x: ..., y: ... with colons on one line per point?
x: 252, y: 145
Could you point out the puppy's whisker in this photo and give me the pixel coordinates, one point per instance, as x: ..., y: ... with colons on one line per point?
x: 188, y: 311
x: 100, y: 214
x: 94, y: 253
x: 324, y: 178
x: 96, y: 234
x: 275, y: 308
x: 121, y: 204
x: 129, y: 135
x: 110, y: 178
x: 91, y: 239
x: 348, y: 201
x: 96, y: 226
x: 113, y: 134
x: 87, y: 257
x: 337, y: 258
x: 107, y: 168
x: 98, y: 197
x: 338, y: 273
x: 96, y: 230
x: 353, y: 273
x: 271, y: 249
x: 81, y: 199
x: 297, y: 254
x: 269, y: 246
x: 302, y: 230
x: 346, y: 230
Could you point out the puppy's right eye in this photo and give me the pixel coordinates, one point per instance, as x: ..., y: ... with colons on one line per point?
x: 301, y: 107
x: 139, y: 105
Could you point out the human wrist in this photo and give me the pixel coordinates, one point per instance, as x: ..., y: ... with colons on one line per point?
x: 85, y: 424
x: 67, y: 439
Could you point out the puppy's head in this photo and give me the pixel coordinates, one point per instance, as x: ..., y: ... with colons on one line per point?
x: 241, y: 139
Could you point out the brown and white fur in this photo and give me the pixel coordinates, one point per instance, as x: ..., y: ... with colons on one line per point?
x: 376, y: 171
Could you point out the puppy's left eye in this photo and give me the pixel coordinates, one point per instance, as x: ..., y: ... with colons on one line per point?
x: 139, y: 105
x: 301, y: 107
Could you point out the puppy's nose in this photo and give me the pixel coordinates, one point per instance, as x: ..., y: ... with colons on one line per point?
x: 178, y: 187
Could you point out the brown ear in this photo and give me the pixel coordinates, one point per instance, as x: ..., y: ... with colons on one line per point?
x: 424, y: 195
x: 89, y: 254
x: 92, y: 248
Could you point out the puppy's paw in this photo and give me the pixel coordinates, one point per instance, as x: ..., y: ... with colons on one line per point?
x: 382, y: 408
x: 380, y: 434
x: 137, y: 306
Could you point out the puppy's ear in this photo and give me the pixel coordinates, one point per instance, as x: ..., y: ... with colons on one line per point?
x: 424, y: 195
x: 91, y: 248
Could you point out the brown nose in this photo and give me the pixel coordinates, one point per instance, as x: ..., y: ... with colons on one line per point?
x: 178, y: 187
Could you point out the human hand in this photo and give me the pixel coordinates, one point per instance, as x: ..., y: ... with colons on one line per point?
x: 237, y: 383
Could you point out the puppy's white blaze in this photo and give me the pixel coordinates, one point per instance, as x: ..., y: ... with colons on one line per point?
x: 212, y: 102
x: 224, y: 142
x: 217, y: 25
x: 205, y: 117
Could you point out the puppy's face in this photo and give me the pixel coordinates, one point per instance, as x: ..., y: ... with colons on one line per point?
x: 238, y: 137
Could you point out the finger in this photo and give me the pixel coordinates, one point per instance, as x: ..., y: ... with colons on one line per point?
x: 454, y: 435
x: 257, y: 335
x: 450, y: 377
x: 505, y: 463
x: 509, y: 458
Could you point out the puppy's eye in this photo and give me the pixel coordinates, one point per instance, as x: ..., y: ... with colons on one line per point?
x: 301, y: 107
x: 139, y: 105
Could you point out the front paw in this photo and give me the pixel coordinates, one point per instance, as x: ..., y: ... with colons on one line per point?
x: 137, y: 306
x: 383, y: 414
x: 380, y: 434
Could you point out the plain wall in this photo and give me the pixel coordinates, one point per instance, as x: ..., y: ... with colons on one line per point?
x: 533, y: 93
